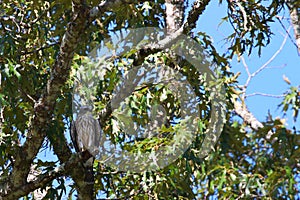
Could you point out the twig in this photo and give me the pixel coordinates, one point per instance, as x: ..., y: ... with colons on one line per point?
x: 245, y: 65
x: 39, y: 49
x: 240, y: 107
x: 264, y: 66
x: 273, y: 57
x: 265, y: 95
x: 277, y: 67
x: 287, y: 32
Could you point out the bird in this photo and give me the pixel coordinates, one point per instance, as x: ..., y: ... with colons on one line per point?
x: 86, y: 134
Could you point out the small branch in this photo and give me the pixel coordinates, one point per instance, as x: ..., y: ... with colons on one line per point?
x: 265, y: 95
x: 154, y: 48
x: 27, y: 96
x: 98, y: 10
x: 264, y: 66
x: 246, y: 66
x: 245, y: 86
x: 273, y: 57
x: 277, y: 67
x: 39, y: 49
x: 285, y: 29
x: 240, y: 108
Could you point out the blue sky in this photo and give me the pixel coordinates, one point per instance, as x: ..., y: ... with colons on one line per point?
x: 270, y: 80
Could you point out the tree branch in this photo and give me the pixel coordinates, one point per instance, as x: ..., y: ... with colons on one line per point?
x: 43, y: 109
x: 78, y: 171
x: 264, y: 66
x: 295, y: 20
x: 242, y: 111
x: 174, y: 15
x: 43, y: 179
x: 107, y: 5
x: 197, y: 10
x: 240, y: 108
x: 247, y: 116
x: 142, y: 53
x: 1, y: 110
x: 265, y: 95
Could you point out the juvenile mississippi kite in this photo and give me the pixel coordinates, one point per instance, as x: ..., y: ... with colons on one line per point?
x: 86, y: 134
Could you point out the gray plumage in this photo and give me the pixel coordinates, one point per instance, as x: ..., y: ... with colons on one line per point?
x: 86, y: 132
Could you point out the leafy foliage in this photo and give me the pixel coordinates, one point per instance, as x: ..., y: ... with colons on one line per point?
x: 245, y: 163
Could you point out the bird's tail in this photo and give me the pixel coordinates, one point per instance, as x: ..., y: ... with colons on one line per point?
x: 88, y: 161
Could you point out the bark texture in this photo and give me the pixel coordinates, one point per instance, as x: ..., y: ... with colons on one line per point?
x: 295, y: 20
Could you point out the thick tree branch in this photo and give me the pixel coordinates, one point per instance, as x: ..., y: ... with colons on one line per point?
x: 1, y: 110
x: 60, y: 73
x: 196, y: 11
x: 295, y: 20
x: 45, y: 106
x: 78, y: 172
x: 247, y: 116
x: 43, y: 179
x: 242, y: 111
x: 174, y: 15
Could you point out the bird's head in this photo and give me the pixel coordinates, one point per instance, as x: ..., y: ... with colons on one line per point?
x: 85, y: 109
